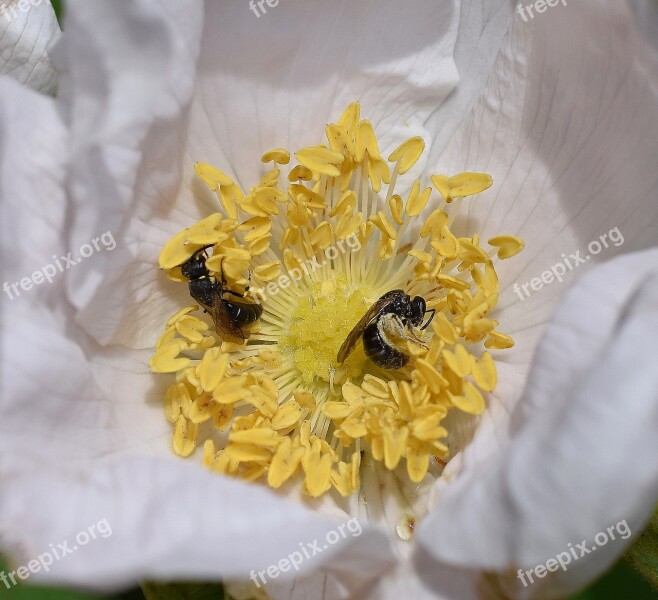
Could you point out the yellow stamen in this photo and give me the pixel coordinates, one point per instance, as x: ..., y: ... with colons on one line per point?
x: 317, y: 253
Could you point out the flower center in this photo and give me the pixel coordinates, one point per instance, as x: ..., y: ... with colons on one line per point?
x: 268, y: 374
x: 321, y: 321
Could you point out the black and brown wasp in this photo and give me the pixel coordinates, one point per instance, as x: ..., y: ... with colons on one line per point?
x: 391, y: 318
x: 229, y: 315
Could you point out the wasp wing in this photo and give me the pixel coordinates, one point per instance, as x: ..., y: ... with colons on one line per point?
x: 374, y: 311
x: 222, y: 320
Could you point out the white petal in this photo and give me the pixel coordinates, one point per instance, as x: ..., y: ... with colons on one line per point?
x: 277, y: 79
x: 32, y: 199
x: 261, y: 83
x: 567, y: 126
x: 127, y: 79
x: 27, y: 29
x: 482, y: 25
x: 170, y: 521
x: 583, y: 437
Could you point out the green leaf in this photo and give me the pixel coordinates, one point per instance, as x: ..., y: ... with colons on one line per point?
x: 643, y: 554
x: 57, y: 6
x: 25, y: 591
x: 183, y: 591
x: 622, y: 581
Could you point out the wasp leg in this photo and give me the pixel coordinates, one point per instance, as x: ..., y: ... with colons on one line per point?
x: 433, y: 311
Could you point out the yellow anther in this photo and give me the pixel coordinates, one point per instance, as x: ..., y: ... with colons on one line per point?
x: 434, y: 223
x: 231, y: 390
x: 417, y: 203
x: 265, y: 438
x: 203, y: 408
x: 366, y: 140
x: 407, y: 153
x: 446, y: 244
x: 471, y: 401
x: 177, y: 250
x: 190, y: 327
x: 317, y: 468
x: 177, y: 402
x: 395, y: 441
x: 178, y: 315
x: 322, y: 236
x: 268, y: 271
x: 185, y: 435
x: 212, y: 368
x: 166, y: 359
x: 434, y: 380
x: 255, y: 228
x: 508, y: 245
x: 248, y: 452
x: 484, y: 372
x: 378, y: 172
x: 212, y: 177
x: 418, y: 462
x: 349, y: 120
x: 207, y: 231
x: 285, y: 462
x: 340, y: 140
x: 223, y: 416
x: 449, y: 281
x: 345, y: 205
x: 380, y: 220
x: 320, y: 160
x: 375, y: 386
x: 348, y: 225
x: 461, y: 185
x: 459, y: 361
x: 304, y: 398
x: 279, y: 155
x: 471, y: 253
x: 396, y: 205
x: 498, y: 341
x: 263, y: 400
x: 270, y: 179
x: 287, y: 416
x: 260, y: 245
x: 209, y: 453
x: 337, y: 410
x: 300, y: 173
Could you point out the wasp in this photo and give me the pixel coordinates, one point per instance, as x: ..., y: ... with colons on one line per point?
x: 228, y: 315
x: 392, y: 317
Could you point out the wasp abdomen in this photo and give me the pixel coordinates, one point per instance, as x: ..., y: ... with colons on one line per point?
x: 242, y: 313
x: 379, y: 351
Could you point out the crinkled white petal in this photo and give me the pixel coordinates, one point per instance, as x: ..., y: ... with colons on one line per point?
x: 567, y: 126
x: 128, y: 72
x: 261, y: 82
x: 580, y: 459
x: 27, y: 29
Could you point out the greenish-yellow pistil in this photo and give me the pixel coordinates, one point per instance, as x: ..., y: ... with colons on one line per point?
x: 321, y: 321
